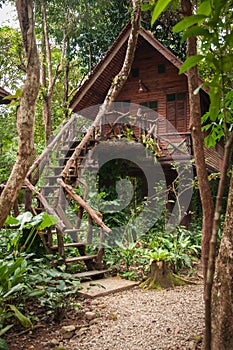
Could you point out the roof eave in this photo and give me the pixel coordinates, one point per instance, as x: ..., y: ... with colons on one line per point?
x: 120, y: 40
x: 97, y: 71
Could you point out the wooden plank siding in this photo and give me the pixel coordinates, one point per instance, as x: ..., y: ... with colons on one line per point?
x: 157, y: 86
x: 154, y: 81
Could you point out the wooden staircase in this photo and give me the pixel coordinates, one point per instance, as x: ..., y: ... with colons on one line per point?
x: 72, y: 232
x: 55, y: 193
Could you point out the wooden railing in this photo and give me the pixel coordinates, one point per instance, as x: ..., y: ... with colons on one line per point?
x: 167, y: 144
x: 49, y: 166
x: 175, y: 144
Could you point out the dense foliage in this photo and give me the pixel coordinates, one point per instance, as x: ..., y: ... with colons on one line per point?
x: 87, y: 37
x: 27, y: 280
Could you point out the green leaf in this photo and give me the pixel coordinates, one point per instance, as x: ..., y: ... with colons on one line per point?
x: 229, y: 39
x: 227, y: 62
x: 160, y: 6
x: 24, y: 219
x: 3, y: 344
x: 204, y: 8
x: 25, y: 321
x: 14, y: 289
x: 210, y: 141
x: 215, y: 98
x: 188, y: 22
x: 10, y: 220
x: 146, y: 7
x: 48, y: 220
x: 36, y: 293
x: 18, y: 94
x: 190, y: 62
x: 196, y: 31
x: 5, y: 329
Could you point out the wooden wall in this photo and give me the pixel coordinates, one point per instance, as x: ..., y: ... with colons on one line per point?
x: 156, y: 86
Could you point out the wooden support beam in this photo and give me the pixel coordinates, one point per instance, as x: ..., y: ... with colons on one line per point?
x: 59, y: 225
x: 96, y: 216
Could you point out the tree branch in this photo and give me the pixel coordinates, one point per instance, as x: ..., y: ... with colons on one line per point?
x: 116, y: 86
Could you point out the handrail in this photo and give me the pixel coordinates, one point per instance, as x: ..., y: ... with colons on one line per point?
x: 50, y: 147
x: 59, y: 224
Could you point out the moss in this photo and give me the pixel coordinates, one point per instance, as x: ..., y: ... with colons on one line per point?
x: 161, y: 278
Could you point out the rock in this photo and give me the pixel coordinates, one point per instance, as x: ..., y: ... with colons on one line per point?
x: 54, y: 342
x: 90, y: 315
x: 68, y: 331
x: 70, y: 328
x: 95, y: 329
x: 81, y: 331
x: 102, y: 306
x: 94, y: 321
x: 68, y: 335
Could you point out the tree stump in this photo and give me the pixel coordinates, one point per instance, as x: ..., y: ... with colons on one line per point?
x: 161, y: 277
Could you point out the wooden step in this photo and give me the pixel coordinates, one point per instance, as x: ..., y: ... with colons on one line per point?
x: 71, y: 231
x: 51, y: 176
x: 90, y: 274
x: 60, y: 159
x: 80, y: 258
x: 46, y: 190
x: 65, y: 151
x: 74, y: 244
x: 55, y: 177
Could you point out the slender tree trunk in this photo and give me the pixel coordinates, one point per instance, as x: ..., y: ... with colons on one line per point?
x: 25, y: 112
x: 202, y: 175
x: 222, y: 297
x: 47, y: 90
x: 198, y: 146
x: 116, y: 86
x: 66, y: 86
x: 213, y: 244
x: 47, y: 104
x: 52, y: 78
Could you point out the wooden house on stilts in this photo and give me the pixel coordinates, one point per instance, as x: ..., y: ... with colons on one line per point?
x: 151, y: 112
x: 155, y: 96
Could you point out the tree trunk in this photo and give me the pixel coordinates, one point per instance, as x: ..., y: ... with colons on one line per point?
x: 52, y: 78
x: 66, y: 87
x: 116, y: 86
x: 222, y: 296
x: 46, y: 94
x: 25, y: 112
x: 198, y: 145
x: 213, y: 242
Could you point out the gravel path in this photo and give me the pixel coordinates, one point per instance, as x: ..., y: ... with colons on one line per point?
x: 128, y: 320
x: 137, y: 320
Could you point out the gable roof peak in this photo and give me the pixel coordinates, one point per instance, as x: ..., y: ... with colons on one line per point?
x: 94, y: 88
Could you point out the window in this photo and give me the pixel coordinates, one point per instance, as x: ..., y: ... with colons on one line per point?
x: 153, y: 105
x: 176, y: 112
x: 150, y: 104
x: 161, y: 68
x: 181, y: 96
x: 135, y: 72
x: 171, y: 97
